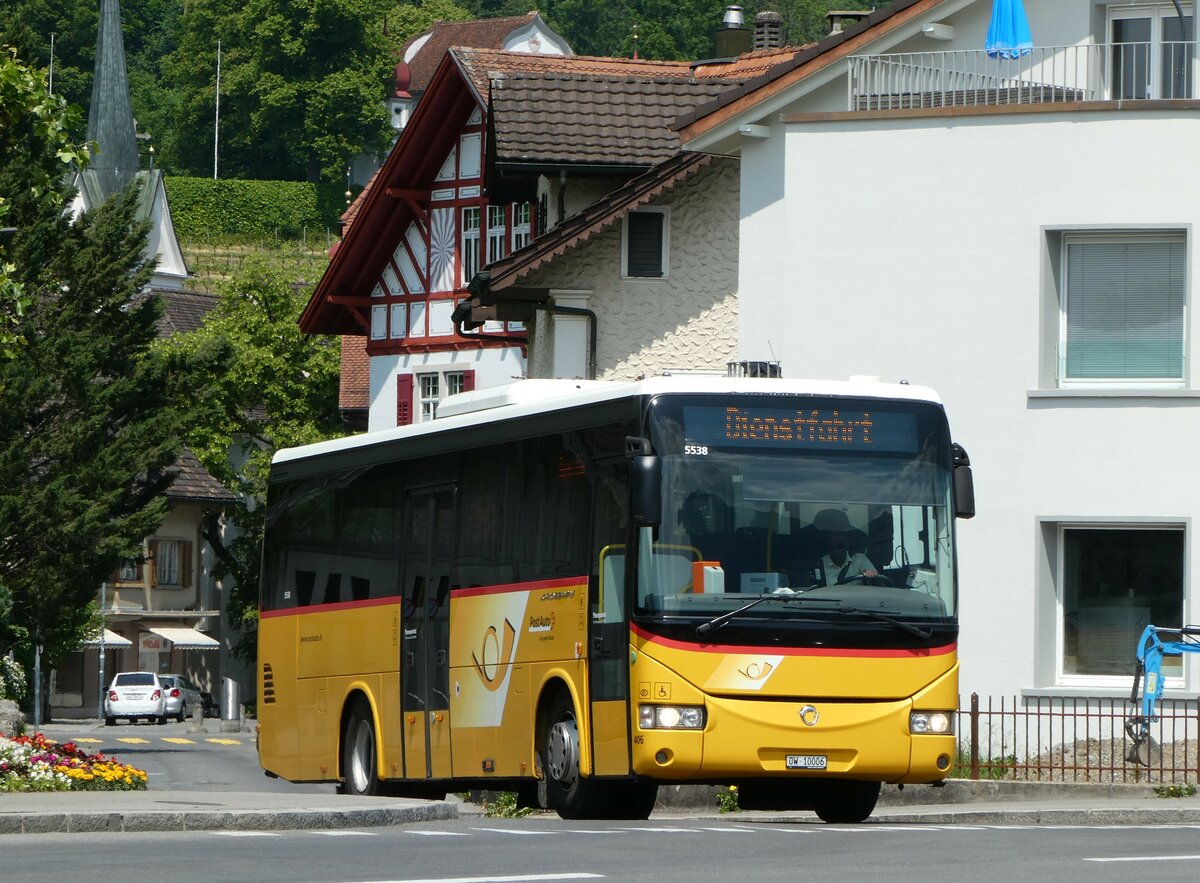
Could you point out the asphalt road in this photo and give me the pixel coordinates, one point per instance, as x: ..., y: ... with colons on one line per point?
x: 545, y: 848
x: 174, y: 757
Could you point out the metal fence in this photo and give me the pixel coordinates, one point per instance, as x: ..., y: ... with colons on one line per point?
x: 1052, y: 739
x: 972, y: 78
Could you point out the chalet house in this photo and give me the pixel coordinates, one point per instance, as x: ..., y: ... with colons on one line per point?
x: 916, y: 207
x: 503, y: 151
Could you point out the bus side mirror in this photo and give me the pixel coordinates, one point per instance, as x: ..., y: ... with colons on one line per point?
x: 645, y: 473
x: 964, y: 484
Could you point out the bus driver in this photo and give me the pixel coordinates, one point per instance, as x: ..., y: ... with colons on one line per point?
x: 839, y: 565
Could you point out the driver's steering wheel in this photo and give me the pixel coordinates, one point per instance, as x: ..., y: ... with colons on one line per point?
x: 877, y: 580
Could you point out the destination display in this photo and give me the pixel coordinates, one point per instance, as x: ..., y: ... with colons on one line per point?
x: 801, y: 428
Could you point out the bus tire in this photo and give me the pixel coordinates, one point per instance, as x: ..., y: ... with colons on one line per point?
x: 567, y: 792
x: 847, y: 802
x: 633, y: 800
x: 360, y: 775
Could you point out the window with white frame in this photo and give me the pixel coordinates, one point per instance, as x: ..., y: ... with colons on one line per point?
x: 470, y: 243
x: 166, y: 562
x: 432, y: 387
x: 1151, y: 51
x: 521, y: 214
x: 645, y: 237
x: 1114, y: 580
x: 497, y: 233
x: 1121, y: 299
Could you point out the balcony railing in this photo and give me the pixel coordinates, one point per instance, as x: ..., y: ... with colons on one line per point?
x: 969, y: 78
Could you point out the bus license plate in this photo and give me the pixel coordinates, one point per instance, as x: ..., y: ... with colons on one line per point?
x: 806, y: 761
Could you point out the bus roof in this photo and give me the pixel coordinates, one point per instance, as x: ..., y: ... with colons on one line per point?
x: 528, y: 397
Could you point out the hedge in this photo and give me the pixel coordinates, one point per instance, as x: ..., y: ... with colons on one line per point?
x: 203, y: 207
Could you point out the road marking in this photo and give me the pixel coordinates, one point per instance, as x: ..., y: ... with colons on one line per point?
x: 1147, y: 858
x: 245, y: 834
x: 517, y: 878
x: 134, y: 740
x: 516, y: 831
x: 346, y: 833
x: 440, y: 833
x: 664, y: 830
x: 88, y: 741
x: 176, y: 740
x: 593, y: 831
x: 729, y: 830
x: 224, y: 741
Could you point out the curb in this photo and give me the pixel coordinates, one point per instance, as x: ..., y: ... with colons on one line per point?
x: 141, y: 821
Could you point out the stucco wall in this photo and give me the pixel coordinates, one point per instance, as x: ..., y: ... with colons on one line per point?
x: 931, y: 266
x: 686, y: 321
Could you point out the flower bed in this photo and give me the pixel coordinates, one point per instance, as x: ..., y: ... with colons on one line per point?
x: 31, y: 763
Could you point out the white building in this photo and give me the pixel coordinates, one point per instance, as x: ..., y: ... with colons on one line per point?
x: 1018, y: 234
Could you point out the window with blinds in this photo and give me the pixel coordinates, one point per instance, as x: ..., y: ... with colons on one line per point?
x: 1123, y: 309
x: 645, y: 248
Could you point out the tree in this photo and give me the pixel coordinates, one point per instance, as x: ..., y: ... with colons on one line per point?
x: 91, y: 415
x: 302, y: 86
x: 274, y: 388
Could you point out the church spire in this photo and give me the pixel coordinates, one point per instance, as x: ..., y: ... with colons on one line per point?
x: 110, y: 118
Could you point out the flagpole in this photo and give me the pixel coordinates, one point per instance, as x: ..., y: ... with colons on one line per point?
x: 217, y: 115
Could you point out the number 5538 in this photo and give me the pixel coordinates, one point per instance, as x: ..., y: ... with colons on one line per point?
x: 696, y: 450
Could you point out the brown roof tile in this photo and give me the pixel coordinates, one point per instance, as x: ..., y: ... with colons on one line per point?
x: 482, y: 65
x: 183, y: 311
x: 354, y: 387
x: 560, y: 118
x: 193, y: 483
x: 488, y: 33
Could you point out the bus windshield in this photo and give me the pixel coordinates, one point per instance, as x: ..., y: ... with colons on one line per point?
x: 845, y: 502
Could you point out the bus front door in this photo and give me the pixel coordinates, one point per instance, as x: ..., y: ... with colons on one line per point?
x: 424, y: 664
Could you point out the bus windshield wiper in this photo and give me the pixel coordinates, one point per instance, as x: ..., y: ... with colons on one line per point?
x: 903, y: 626
x: 713, y: 624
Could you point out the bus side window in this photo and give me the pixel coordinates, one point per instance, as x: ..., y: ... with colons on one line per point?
x: 305, y: 581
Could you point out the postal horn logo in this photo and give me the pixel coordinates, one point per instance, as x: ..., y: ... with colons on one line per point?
x: 757, y: 671
x: 809, y: 716
x: 495, y: 655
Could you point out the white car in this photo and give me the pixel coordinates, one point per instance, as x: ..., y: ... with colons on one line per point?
x: 181, y: 695
x: 135, y: 694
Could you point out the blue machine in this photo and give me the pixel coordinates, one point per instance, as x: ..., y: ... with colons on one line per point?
x: 1150, y: 652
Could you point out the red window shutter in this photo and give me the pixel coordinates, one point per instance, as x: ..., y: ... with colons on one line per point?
x: 404, y: 394
x: 468, y: 380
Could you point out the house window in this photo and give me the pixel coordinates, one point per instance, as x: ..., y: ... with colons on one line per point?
x: 470, y: 243
x: 169, y: 562
x: 497, y: 233
x: 129, y: 571
x: 1113, y: 581
x: 644, y: 251
x: 429, y: 388
x: 1151, y: 53
x: 521, y: 212
x: 1122, y: 300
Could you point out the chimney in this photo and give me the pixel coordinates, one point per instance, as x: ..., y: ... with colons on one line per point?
x: 769, y: 32
x: 733, y: 37
x: 838, y: 18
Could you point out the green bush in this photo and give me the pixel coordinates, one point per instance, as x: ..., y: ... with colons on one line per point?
x: 203, y: 208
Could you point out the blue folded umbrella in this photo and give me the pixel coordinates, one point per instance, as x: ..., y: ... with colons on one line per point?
x: 1008, y: 35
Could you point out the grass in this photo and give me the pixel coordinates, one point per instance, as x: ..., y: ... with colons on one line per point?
x: 991, y: 768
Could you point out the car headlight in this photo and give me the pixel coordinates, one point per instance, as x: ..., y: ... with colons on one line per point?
x: 671, y: 717
x: 939, y: 723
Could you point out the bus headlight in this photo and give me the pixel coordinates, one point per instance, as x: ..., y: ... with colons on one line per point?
x: 938, y: 723
x: 671, y: 717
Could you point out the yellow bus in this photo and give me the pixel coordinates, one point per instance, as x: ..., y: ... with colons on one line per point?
x: 580, y: 590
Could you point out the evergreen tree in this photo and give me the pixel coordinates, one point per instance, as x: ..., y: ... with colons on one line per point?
x: 91, y: 415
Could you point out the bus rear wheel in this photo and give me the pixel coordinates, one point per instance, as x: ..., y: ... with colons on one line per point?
x: 847, y: 802
x: 360, y: 776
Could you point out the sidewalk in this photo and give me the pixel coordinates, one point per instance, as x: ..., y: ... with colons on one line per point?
x: 960, y: 803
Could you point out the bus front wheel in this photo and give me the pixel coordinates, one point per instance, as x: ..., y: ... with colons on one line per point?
x: 847, y: 802
x: 568, y: 793
x: 359, y: 774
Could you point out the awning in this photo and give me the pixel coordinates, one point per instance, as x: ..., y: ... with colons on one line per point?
x: 111, y: 639
x: 185, y: 639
